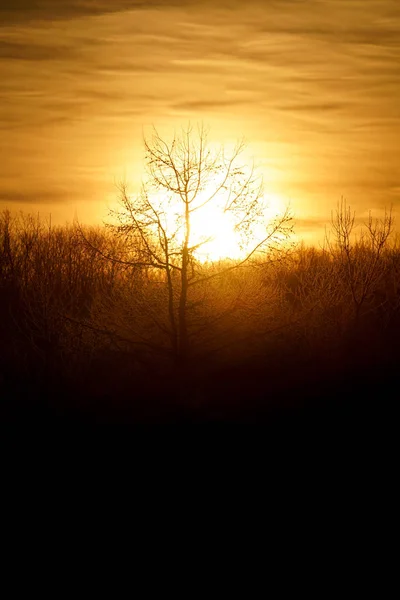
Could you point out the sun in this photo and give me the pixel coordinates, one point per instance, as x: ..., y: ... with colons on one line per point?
x: 213, y: 231
x: 214, y: 235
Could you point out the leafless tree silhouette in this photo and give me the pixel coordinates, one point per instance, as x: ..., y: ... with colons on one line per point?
x: 184, y: 177
x: 359, y: 258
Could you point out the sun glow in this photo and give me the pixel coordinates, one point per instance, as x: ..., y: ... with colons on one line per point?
x: 223, y: 240
x: 213, y: 230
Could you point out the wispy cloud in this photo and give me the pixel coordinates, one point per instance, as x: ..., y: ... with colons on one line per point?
x: 314, y: 86
x: 17, y: 11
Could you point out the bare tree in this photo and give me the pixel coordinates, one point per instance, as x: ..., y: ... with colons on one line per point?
x: 184, y: 178
x: 360, y: 259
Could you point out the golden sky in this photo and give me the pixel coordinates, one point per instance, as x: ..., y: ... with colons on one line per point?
x: 312, y: 85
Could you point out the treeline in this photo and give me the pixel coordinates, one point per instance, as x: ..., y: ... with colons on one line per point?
x: 83, y: 330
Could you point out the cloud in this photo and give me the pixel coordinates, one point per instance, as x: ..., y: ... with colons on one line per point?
x: 17, y: 11
x: 32, y: 197
x: 311, y: 224
x: 36, y: 51
x: 313, y: 107
x: 206, y: 105
x: 316, y: 84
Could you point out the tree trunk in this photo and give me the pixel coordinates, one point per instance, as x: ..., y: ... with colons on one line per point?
x: 183, y: 346
x: 174, y: 333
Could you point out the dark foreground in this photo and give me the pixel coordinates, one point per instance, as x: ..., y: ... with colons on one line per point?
x: 309, y: 341
x: 313, y: 396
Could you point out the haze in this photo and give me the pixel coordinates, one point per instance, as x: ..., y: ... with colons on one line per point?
x: 314, y: 88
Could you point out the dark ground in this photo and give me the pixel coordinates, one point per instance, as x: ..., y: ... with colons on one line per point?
x: 250, y: 394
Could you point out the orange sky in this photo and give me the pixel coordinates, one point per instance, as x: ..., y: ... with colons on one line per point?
x: 313, y: 86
